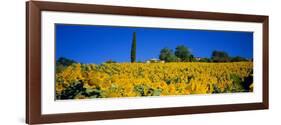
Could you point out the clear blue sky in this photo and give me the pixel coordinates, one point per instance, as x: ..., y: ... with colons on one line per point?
x: 97, y: 44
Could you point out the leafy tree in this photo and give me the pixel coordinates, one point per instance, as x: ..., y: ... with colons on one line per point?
x: 220, y: 56
x: 62, y: 63
x: 110, y: 61
x: 167, y: 55
x: 172, y: 58
x: 238, y: 59
x: 134, y: 47
x: 192, y: 58
x: 183, y: 53
x: 164, y: 53
x: 204, y: 60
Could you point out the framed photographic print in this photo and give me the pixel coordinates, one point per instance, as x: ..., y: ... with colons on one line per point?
x: 93, y: 62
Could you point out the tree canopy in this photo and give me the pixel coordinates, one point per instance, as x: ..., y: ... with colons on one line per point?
x: 167, y: 55
x: 62, y: 63
x: 220, y: 56
x: 183, y: 53
x: 238, y: 59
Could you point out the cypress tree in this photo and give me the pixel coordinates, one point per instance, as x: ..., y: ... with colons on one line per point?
x: 134, y: 47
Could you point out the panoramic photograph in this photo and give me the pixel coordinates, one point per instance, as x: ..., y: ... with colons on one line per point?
x: 114, y: 61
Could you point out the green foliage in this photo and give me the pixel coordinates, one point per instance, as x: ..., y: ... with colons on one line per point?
x: 248, y: 83
x: 134, y: 47
x: 192, y: 58
x: 167, y: 55
x: 205, y: 60
x: 140, y: 89
x: 71, y: 91
x: 238, y: 59
x: 172, y: 58
x: 77, y: 90
x: 183, y: 53
x: 220, y: 56
x: 216, y: 89
x: 62, y: 63
x: 60, y: 68
x: 237, y: 85
x: 157, y: 92
x: 91, y: 93
x: 144, y: 90
x: 110, y: 61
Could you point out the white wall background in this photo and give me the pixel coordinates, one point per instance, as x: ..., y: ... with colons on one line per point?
x: 12, y: 63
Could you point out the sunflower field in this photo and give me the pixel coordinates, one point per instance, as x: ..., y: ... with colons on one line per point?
x: 109, y: 80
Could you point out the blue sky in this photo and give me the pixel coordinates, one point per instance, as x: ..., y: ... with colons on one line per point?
x: 97, y: 44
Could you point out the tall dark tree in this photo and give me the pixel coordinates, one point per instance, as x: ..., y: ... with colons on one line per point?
x: 134, y: 48
x: 220, y: 56
x: 183, y: 53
